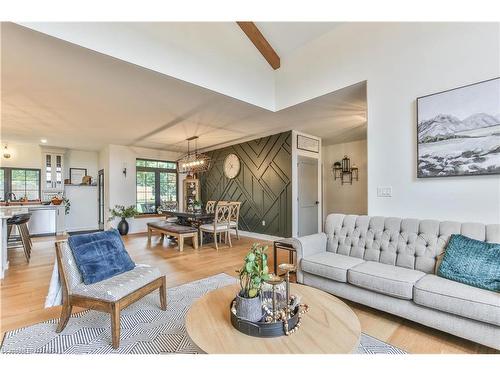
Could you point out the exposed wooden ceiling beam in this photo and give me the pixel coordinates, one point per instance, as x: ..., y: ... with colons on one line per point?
x: 260, y: 43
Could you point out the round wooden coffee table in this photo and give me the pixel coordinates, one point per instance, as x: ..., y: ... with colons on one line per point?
x: 330, y: 326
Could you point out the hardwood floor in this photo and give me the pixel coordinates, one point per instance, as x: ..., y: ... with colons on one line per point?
x: 24, y: 288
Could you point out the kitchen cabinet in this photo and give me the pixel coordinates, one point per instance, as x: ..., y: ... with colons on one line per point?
x: 53, y: 175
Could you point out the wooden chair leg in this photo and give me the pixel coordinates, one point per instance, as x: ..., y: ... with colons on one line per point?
x: 215, y: 240
x: 149, y: 234
x: 195, y: 241
x: 26, y: 234
x: 201, y: 238
x: 163, y: 294
x: 25, y: 243
x: 65, y: 314
x: 237, y: 232
x: 9, y: 231
x: 115, y: 325
x: 228, y: 235
x: 181, y: 242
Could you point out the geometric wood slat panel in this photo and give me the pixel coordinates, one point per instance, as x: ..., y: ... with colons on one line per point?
x: 263, y: 185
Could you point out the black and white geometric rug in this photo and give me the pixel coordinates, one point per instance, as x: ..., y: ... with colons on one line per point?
x: 145, y: 329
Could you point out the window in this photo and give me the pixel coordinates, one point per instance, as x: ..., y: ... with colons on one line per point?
x: 20, y: 181
x: 156, y: 181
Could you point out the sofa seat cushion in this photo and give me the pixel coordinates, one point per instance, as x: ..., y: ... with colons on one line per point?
x: 330, y: 265
x: 384, y: 278
x: 457, y: 298
x: 118, y: 286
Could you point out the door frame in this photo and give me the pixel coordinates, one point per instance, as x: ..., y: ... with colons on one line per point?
x: 99, y: 187
x: 296, y: 152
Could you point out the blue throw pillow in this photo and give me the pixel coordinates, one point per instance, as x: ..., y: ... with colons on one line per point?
x: 100, y: 255
x: 472, y: 262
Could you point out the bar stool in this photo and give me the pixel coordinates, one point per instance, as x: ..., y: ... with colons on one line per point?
x: 20, y: 222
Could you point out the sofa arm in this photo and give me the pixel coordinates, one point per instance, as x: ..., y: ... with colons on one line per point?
x: 306, y: 246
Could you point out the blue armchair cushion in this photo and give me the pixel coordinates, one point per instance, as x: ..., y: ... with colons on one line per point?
x: 472, y: 262
x: 100, y: 255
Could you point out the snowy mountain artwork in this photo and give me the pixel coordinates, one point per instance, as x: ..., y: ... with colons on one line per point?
x: 459, y: 131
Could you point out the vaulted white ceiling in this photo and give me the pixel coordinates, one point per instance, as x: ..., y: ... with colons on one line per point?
x: 83, y: 99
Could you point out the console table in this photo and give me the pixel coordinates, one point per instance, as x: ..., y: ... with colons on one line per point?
x: 283, y: 244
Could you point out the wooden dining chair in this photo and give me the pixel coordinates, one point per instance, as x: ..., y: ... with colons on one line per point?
x: 219, y: 226
x: 234, y: 217
x: 210, y: 207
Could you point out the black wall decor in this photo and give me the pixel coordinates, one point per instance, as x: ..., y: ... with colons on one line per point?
x: 263, y: 184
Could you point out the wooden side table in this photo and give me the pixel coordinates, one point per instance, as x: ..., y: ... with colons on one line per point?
x: 285, y: 244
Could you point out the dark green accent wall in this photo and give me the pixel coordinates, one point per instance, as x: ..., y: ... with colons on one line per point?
x: 263, y: 185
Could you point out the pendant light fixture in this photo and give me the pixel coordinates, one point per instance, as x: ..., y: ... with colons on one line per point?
x: 6, y: 153
x: 193, y: 161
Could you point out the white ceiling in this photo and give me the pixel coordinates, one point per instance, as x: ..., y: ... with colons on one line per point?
x: 286, y: 37
x: 81, y: 99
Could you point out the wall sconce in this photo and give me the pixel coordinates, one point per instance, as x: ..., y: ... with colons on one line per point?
x: 124, y: 171
x: 6, y: 153
x: 343, y: 171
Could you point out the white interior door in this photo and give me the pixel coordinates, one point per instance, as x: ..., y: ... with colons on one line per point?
x: 308, y: 201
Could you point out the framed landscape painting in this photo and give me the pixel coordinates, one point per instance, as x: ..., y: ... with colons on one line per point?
x: 458, y: 131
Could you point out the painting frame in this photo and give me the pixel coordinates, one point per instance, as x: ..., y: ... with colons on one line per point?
x: 302, y: 143
x: 74, y: 173
x: 418, y: 100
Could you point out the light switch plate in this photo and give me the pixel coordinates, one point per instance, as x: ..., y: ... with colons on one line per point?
x: 384, y: 191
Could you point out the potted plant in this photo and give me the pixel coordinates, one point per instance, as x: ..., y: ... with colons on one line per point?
x: 253, y: 273
x: 123, y: 213
x: 197, y: 205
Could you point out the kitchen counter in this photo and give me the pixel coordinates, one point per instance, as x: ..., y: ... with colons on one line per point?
x: 45, y: 219
x: 39, y: 205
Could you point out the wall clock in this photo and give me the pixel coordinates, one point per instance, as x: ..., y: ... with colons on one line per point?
x: 231, y: 166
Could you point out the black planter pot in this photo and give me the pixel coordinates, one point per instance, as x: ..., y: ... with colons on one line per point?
x: 123, y: 227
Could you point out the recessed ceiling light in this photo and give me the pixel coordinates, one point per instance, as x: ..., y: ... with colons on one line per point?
x: 43, y: 140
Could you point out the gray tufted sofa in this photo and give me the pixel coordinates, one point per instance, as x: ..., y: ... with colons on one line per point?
x: 388, y: 263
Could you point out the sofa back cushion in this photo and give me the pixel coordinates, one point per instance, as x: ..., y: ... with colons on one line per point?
x: 409, y: 243
x: 100, y: 255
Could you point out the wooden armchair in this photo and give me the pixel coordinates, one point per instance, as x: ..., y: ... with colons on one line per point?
x: 111, y: 295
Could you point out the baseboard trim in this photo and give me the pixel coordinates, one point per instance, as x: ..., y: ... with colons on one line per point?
x: 260, y: 236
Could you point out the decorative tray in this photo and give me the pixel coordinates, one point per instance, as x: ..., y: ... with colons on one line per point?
x: 262, y: 328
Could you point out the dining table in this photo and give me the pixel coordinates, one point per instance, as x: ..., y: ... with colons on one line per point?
x: 193, y: 219
x: 190, y: 217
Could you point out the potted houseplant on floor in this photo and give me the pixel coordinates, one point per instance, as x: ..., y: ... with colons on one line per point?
x: 123, y: 213
x: 253, y: 273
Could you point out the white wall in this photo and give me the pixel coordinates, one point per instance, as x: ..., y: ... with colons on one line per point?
x: 81, y: 159
x: 346, y: 199
x: 402, y: 61
x: 22, y: 155
x: 121, y: 188
x: 83, y: 214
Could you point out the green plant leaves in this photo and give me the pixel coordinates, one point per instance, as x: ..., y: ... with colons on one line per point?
x: 254, y: 271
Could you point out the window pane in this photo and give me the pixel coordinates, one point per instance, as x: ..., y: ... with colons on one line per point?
x: 25, y: 183
x: 168, y: 187
x: 140, y: 163
x: 151, y: 163
x: 167, y: 165
x: 145, y: 183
